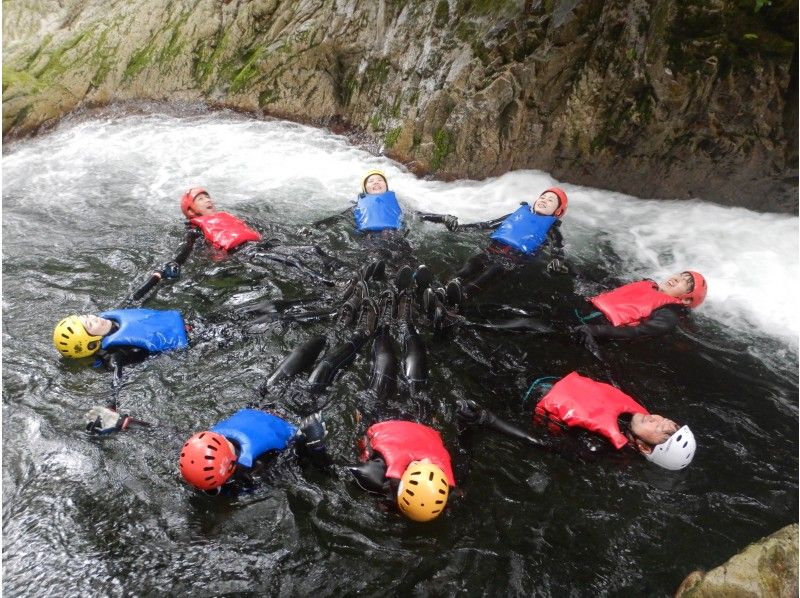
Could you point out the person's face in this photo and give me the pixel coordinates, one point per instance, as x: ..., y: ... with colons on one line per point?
x: 95, y: 325
x: 202, y: 205
x: 546, y: 204
x: 375, y: 183
x: 652, y: 429
x: 677, y: 285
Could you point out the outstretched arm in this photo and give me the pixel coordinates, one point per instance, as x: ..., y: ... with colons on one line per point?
x: 450, y: 221
x: 332, y: 219
x: 171, y: 269
x: 486, y: 225
x: 662, y: 321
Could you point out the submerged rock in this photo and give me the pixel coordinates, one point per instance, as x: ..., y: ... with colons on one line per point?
x: 768, y: 567
x: 656, y: 98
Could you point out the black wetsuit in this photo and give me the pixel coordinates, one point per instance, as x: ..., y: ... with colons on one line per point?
x: 482, y: 268
x: 661, y: 321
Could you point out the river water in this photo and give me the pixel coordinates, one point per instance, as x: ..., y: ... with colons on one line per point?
x: 90, y: 207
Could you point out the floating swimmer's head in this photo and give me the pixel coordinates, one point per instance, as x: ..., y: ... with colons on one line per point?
x: 676, y: 453
x: 689, y: 286
x: 207, y: 460
x: 423, y: 491
x: 197, y: 202
x: 374, y: 182
x: 72, y: 340
x: 552, y: 202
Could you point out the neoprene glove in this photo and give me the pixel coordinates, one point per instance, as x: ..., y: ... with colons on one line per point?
x: 556, y: 266
x: 314, y: 432
x: 469, y: 411
x: 102, y: 420
x: 451, y: 222
x: 171, y: 270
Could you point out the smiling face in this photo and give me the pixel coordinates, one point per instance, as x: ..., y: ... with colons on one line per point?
x: 678, y: 285
x: 652, y: 429
x: 546, y: 204
x: 95, y: 325
x: 202, y: 205
x: 375, y: 184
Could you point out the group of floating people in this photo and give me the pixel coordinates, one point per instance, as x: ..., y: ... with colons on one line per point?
x: 404, y: 459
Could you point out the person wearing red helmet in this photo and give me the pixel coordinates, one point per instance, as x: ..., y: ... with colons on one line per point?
x: 225, y: 232
x: 234, y: 449
x: 516, y: 236
x: 644, y: 308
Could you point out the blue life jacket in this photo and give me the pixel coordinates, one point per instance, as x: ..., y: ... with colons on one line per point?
x: 378, y: 212
x: 151, y: 329
x: 523, y: 230
x: 256, y: 433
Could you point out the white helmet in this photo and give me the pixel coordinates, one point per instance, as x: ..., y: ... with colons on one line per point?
x: 676, y: 453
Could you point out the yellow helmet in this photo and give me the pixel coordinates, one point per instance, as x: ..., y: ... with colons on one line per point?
x: 369, y: 174
x: 72, y: 340
x: 423, y: 491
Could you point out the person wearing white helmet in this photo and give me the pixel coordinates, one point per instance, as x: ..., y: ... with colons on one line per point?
x: 576, y: 401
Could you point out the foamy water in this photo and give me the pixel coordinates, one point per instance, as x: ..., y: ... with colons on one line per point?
x: 144, y: 163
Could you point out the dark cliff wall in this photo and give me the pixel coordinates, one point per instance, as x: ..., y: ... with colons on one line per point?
x: 657, y: 98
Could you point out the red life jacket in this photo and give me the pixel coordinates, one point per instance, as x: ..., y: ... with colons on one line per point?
x: 633, y: 302
x: 578, y: 401
x: 401, y: 442
x: 225, y: 231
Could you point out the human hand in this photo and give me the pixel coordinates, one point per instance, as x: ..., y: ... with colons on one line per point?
x: 556, y: 266
x: 469, y: 411
x: 451, y: 222
x: 102, y: 420
x: 171, y: 270
x: 314, y: 431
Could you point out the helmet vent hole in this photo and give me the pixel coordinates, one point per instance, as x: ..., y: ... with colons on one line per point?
x: 208, y: 469
x: 214, y: 439
x: 685, y: 444
x: 430, y: 477
x: 71, y: 331
x: 211, y: 446
x: 211, y: 457
x: 678, y: 439
x: 414, y: 482
x: 442, y: 491
x: 405, y: 500
x: 409, y: 493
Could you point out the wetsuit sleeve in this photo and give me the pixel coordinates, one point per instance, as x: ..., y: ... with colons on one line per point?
x: 333, y: 219
x: 371, y: 476
x: 486, y: 225
x: 171, y: 269
x: 555, y: 241
x: 662, y: 321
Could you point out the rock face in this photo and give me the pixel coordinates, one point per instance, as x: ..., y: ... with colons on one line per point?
x: 767, y: 568
x: 658, y: 98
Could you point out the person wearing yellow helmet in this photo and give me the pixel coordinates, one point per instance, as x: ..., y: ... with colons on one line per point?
x: 409, y: 463
x: 118, y: 338
x: 377, y: 211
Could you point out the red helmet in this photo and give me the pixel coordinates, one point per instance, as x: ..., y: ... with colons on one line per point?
x: 188, y: 199
x: 562, y: 200
x: 207, y: 460
x: 698, y: 293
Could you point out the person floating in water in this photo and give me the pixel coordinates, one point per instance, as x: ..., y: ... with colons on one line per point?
x: 118, y: 338
x: 643, y: 309
x: 227, y: 233
x: 408, y: 463
x: 378, y: 215
x: 233, y: 451
x: 517, y: 237
x: 576, y: 401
